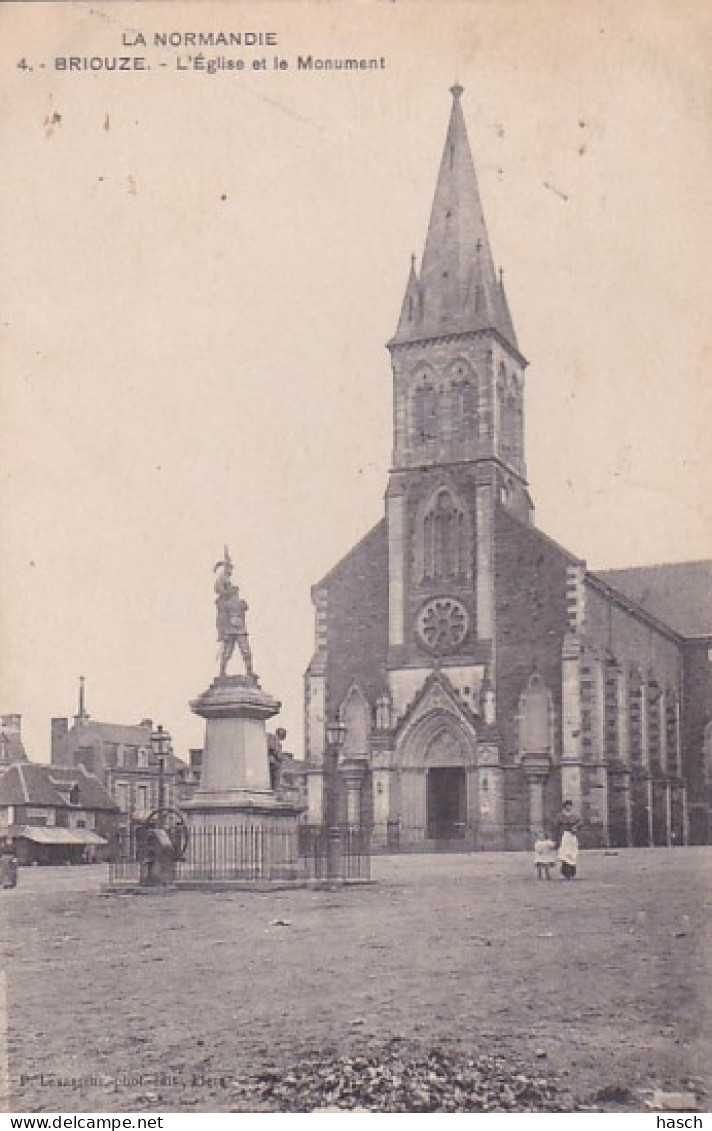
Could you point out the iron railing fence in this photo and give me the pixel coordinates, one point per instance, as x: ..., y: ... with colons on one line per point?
x: 256, y: 852
x: 337, y: 851
x: 250, y: 851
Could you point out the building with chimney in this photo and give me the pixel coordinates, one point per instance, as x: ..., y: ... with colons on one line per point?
x: 134, y: 762
x: 56, y: 814
x: 482, y: 671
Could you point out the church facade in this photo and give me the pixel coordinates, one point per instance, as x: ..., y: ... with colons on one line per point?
x: 482, y: 672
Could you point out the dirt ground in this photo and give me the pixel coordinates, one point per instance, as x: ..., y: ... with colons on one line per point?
x: 169, y: 1002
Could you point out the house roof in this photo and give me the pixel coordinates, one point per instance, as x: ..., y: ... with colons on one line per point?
x: 677, y: 593
x: 174, y: 764
x: 92, y: 794
x: 47, y: 834
x: 11, y: 749
x: 27, y: 783
x: 118, y: 733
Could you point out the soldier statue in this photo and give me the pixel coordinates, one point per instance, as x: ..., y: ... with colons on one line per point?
x: 231, y: 611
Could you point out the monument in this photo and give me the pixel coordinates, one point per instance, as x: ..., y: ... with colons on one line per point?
x: 240, y: 827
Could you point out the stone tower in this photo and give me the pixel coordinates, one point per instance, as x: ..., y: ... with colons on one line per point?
x: 458, y: 436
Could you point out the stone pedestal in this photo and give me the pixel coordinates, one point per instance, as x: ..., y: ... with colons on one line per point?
x: 240, y: 828
x: 235, y: 765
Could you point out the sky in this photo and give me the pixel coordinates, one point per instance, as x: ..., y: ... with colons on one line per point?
x: 201, y: 272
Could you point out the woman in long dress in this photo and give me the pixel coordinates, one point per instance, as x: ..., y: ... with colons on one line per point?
x: 568, y: 825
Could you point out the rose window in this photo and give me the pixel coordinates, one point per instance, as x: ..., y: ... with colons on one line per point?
x: 442, y: 624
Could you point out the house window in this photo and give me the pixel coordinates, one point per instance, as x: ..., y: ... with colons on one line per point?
x: 35, y: 816
x: 122, y: 796
x: 111, y: 754
x: 131, y: 757
x: 142, y: 793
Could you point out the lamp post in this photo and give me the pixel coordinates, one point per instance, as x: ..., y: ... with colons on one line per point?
x: 335, y: 735
x: 160, y: 741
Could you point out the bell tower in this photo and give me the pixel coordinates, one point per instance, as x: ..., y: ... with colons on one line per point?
x: 458, y: 429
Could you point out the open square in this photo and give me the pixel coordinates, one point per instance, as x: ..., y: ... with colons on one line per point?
x: 177, y: 1001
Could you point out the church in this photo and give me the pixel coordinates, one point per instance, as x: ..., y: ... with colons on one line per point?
x: 481, y: 672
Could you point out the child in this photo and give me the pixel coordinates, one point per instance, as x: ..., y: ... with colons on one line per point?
x: 544, y: 856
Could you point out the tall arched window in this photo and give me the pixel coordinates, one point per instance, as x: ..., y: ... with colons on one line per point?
x: 444, y: 533
x: 425, y: 423
x: 535, y: 718
x: 508, y: 396
x: 463, y: 410
x: 356, y: 715
x: 463, y: 401
x: 635, y: 717
x: 672, y: 743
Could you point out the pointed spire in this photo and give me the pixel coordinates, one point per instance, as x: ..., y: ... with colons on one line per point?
x: 458, y: 289
x: 411, y: 309
x: 82, y: 714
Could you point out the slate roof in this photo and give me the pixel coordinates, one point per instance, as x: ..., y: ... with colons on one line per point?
x: 677, y: 593
x: 92, y: 794
x: 118, y: 733
x: 374, y: 542
x: 12, y: 749
x: 26, y: 783
x: 46, y: 786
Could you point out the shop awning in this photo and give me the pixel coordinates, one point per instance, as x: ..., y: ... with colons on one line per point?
x: 47, y: 834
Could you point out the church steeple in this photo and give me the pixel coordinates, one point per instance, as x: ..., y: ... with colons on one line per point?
x: 458, y: 290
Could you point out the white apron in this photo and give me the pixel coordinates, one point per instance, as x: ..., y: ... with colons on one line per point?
x: 568, y: 849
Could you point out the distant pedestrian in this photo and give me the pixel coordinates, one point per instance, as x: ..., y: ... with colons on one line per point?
x: 568, y: 825
x: 544, y: 856
x: 8, y: 869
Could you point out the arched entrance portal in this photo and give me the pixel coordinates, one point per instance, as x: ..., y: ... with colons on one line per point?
x: 437, y: 781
